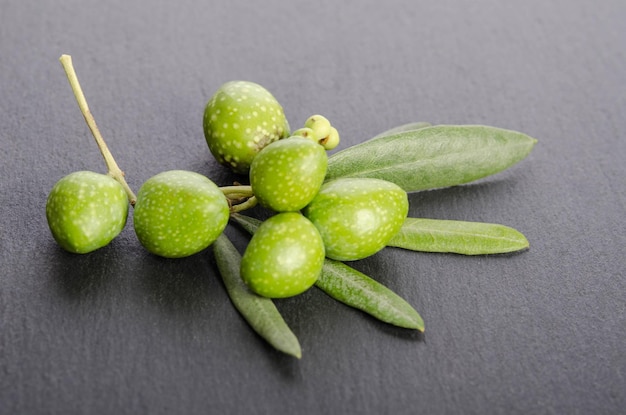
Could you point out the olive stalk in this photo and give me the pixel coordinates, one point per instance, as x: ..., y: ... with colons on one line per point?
x: 237, y: 192
x: 112, y: 167
x: 247, y: 204
x: 240, y: 197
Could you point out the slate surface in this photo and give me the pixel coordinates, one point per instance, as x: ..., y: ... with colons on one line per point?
x: 122, y: 332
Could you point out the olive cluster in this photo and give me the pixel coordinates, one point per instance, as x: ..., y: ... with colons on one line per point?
x: 179, y: 213
x: 346, y: 219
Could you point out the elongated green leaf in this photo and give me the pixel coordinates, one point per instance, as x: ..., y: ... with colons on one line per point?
x: 353, y: 288
x: 249, y: 224
x: 432, y: 157
x: 259, y: 312
x: 467, y: 238
x: 404, y: 127
x: 356, y: 289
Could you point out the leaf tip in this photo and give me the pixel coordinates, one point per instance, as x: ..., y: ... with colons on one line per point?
x: 293, y: 351
x: 420, y: 326
x: 416, y: 322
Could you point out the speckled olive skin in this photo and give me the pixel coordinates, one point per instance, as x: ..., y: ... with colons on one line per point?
x: 287, y: 174
x: 86, y: 210
x: 357, y: 217
x: 179, y: 213
x: 284, y: 257
x: 239, y: 120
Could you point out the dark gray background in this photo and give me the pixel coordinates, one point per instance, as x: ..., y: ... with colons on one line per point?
x: 120, y: 331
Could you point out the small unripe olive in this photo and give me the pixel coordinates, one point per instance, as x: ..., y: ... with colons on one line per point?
x: 86, y: 210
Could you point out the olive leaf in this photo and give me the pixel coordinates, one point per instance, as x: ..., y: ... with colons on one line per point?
x: 353, y: 288
x: 259, y: 312
x: 432, y: 157
x: 248, y: 223
x: 460, y: 237
x: 356, y: 289
x: 404, y: 127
